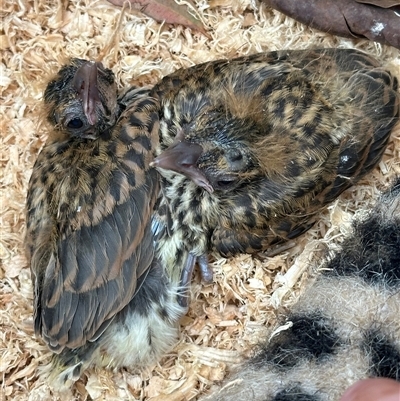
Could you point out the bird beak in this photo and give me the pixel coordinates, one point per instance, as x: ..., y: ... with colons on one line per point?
x: 182, y: 157
x: 85, y: 83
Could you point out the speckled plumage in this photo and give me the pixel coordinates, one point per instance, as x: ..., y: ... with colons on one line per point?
x: 259, y: 166
x: 345, y: 327
x: 101, y: 294
x: 253, y: 148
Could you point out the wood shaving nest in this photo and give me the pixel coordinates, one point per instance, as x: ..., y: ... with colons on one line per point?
x: 226, y: 318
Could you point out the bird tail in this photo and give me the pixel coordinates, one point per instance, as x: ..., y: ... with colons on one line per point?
x: 139, y: 335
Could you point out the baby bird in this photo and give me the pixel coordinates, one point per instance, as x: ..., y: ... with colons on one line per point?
x: 101, y: 295
x: 252, y: 148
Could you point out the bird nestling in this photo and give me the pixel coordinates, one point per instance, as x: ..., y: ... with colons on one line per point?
x: 252, y: 148
x: 101, y: 295
x: 344, y: 328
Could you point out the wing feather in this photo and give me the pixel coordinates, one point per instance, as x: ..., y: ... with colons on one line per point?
x: 101, y: 243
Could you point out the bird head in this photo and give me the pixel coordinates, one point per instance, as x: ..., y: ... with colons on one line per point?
x: 227, y: 167
x: 214, y: 154
x: 82, y: 99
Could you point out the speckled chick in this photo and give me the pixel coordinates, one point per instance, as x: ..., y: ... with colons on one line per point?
x: 253, y: 148
x: 101, y: 295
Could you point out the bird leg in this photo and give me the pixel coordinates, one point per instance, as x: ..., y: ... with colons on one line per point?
x: 187, y: 273
x: 206, y: 271
x: 85, y: 83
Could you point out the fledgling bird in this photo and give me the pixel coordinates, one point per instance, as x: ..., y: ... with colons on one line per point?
x: 344, y: 328
x: 101, y: 294
x: 252, y: 148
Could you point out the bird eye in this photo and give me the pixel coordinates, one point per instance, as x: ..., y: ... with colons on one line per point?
x: 236, y: 161
x: 75, y: 123
x: 224, y: 183
x: 235, y: 157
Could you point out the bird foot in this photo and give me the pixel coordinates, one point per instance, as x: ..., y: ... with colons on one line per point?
x: 206, y: 273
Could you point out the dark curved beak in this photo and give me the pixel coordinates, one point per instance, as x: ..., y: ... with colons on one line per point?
x: 182, y: 157
x: 86, y: 85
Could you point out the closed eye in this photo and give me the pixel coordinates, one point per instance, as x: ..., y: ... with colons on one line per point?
x: 224, y: 183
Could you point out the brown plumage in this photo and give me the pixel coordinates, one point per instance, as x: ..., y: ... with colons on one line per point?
x: 253, y: 148
x: 257, y: 146
x: 101, y: 294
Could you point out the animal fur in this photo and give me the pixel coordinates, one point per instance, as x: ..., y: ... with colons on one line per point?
x: 345, y: 327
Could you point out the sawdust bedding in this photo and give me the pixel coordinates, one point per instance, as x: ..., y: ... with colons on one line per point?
x: 227, y: 317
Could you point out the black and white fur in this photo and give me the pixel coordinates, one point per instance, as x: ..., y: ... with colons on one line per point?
x: 345, y: 327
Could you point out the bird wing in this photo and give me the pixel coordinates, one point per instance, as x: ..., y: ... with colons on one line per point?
x: 188, y: 91
x: 96, y: 254
x: 231, y: 241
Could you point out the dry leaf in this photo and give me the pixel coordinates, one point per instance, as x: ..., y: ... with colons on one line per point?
x: 381, y: 3
x: 347, y: 18
x: 166, y: 10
